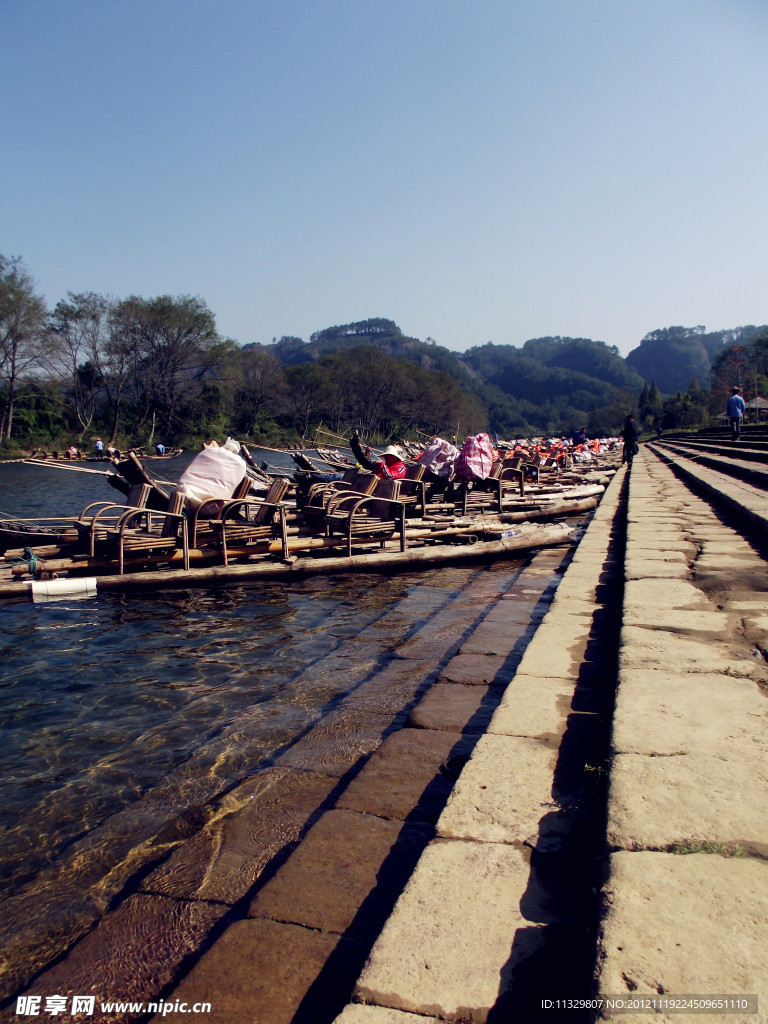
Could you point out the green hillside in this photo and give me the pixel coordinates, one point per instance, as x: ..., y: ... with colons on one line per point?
x: 674, y: 356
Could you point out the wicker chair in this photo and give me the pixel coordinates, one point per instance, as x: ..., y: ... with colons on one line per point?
x: 210, y: 508
x: 144, y: 531
x: 372, y: 517
x: 247, y: 521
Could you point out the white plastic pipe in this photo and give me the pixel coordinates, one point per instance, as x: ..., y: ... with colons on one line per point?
x: 52, y: 590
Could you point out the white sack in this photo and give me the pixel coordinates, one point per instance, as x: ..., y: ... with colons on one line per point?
x: 213, y: 473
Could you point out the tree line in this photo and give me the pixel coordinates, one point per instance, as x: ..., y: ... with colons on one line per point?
x: 138, y: 370
x: 742, y: 365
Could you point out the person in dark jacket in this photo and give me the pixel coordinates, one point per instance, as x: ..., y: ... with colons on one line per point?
x: 389, y: 466
x: 630, y: 434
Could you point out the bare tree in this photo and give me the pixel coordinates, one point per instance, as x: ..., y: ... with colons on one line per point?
x: 78, y: 330
x: 163, y: 345
x: 261, y: 388
x: 22, y: 331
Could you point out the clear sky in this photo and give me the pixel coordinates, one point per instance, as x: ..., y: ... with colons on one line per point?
x: 475, y: 170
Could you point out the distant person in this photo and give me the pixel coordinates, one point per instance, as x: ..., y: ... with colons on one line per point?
x: 580, y: 436
x: 389, y: 466
x: 630, y: 434
x: 734, y: 410
x: 99, y: 448
x: 659, y: 431
x: 160, y: 449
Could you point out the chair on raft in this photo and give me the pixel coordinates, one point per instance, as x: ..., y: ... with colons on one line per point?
x: 357, y: 481
x: 413, y: 489
x: 367, y: 518
x: 99, y: 517
x: 513, y: 469
x: 143, y: 533
x: 248, y: 521
x: 484, y: 495
x: 210, y: 508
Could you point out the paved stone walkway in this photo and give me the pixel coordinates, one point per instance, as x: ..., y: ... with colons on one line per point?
x: 480, y: 907
x: 685, y: 898
x: 686, y: 901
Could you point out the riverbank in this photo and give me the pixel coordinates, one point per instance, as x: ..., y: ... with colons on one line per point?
x: 490, y: 834
x: 684, y: 905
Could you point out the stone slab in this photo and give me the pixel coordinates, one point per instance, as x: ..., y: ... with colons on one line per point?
x: 577, y: 586
x: 655, y: 802
x: 652, y: 551
x: 494, y: 638
x: 646, y: 613
x: 711, y: 715
x: 134, y: 950
x: 444, y: 632
x: 392, y: 687
x: 255, y: 822
x: 558, y: 648
x: 685, y: 924
x: 643, y: 531
x: 263, y: 972
x: 457, y: 935
x: 675, y: 594
x: 451, y: 707
x: 737, y: 564
x: 643, y: 647
x: 340, y: 740
x: 503, y: 793
x: 534, y: 706
x: 482, y: 669
x: 757, y: 630
x: 409, y: 776
x: 640, y: 567
x: 345, y: 875
x: 28, y: 937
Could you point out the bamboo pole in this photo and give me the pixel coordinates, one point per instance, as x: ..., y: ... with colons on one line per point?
x: 546, y: 536
x: 329, y: 433
x: 53, y: 464
x: 85, y: 565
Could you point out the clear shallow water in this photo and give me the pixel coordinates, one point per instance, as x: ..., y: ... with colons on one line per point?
x: 124, y: 716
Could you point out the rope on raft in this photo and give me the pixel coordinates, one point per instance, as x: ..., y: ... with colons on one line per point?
x: 28, y: 558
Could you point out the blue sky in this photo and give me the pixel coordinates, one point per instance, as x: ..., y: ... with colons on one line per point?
x: 471, y: 169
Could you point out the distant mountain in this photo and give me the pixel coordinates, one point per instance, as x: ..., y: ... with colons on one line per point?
x: 674, y: 356
x: 551, y: 384
x: 383, y: 335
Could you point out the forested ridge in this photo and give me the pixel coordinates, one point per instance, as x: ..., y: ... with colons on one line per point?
x: 139, y: 370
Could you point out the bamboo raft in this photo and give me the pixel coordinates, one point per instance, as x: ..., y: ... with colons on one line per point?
x: 92, y: 575
x: 71, y: 555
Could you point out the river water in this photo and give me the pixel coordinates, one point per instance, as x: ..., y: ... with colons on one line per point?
x: 122, y: 714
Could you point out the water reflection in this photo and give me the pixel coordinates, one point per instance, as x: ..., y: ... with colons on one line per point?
x: 124, y: 718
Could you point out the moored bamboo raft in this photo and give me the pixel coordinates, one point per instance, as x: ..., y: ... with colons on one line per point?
x: 387, y: 558
x: 281, y: 537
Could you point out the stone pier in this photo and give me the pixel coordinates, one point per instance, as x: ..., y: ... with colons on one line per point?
x: 683, y: 907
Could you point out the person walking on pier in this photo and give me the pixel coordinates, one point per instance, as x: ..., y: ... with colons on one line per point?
x: 734, y: 410
x: 630, y: 433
